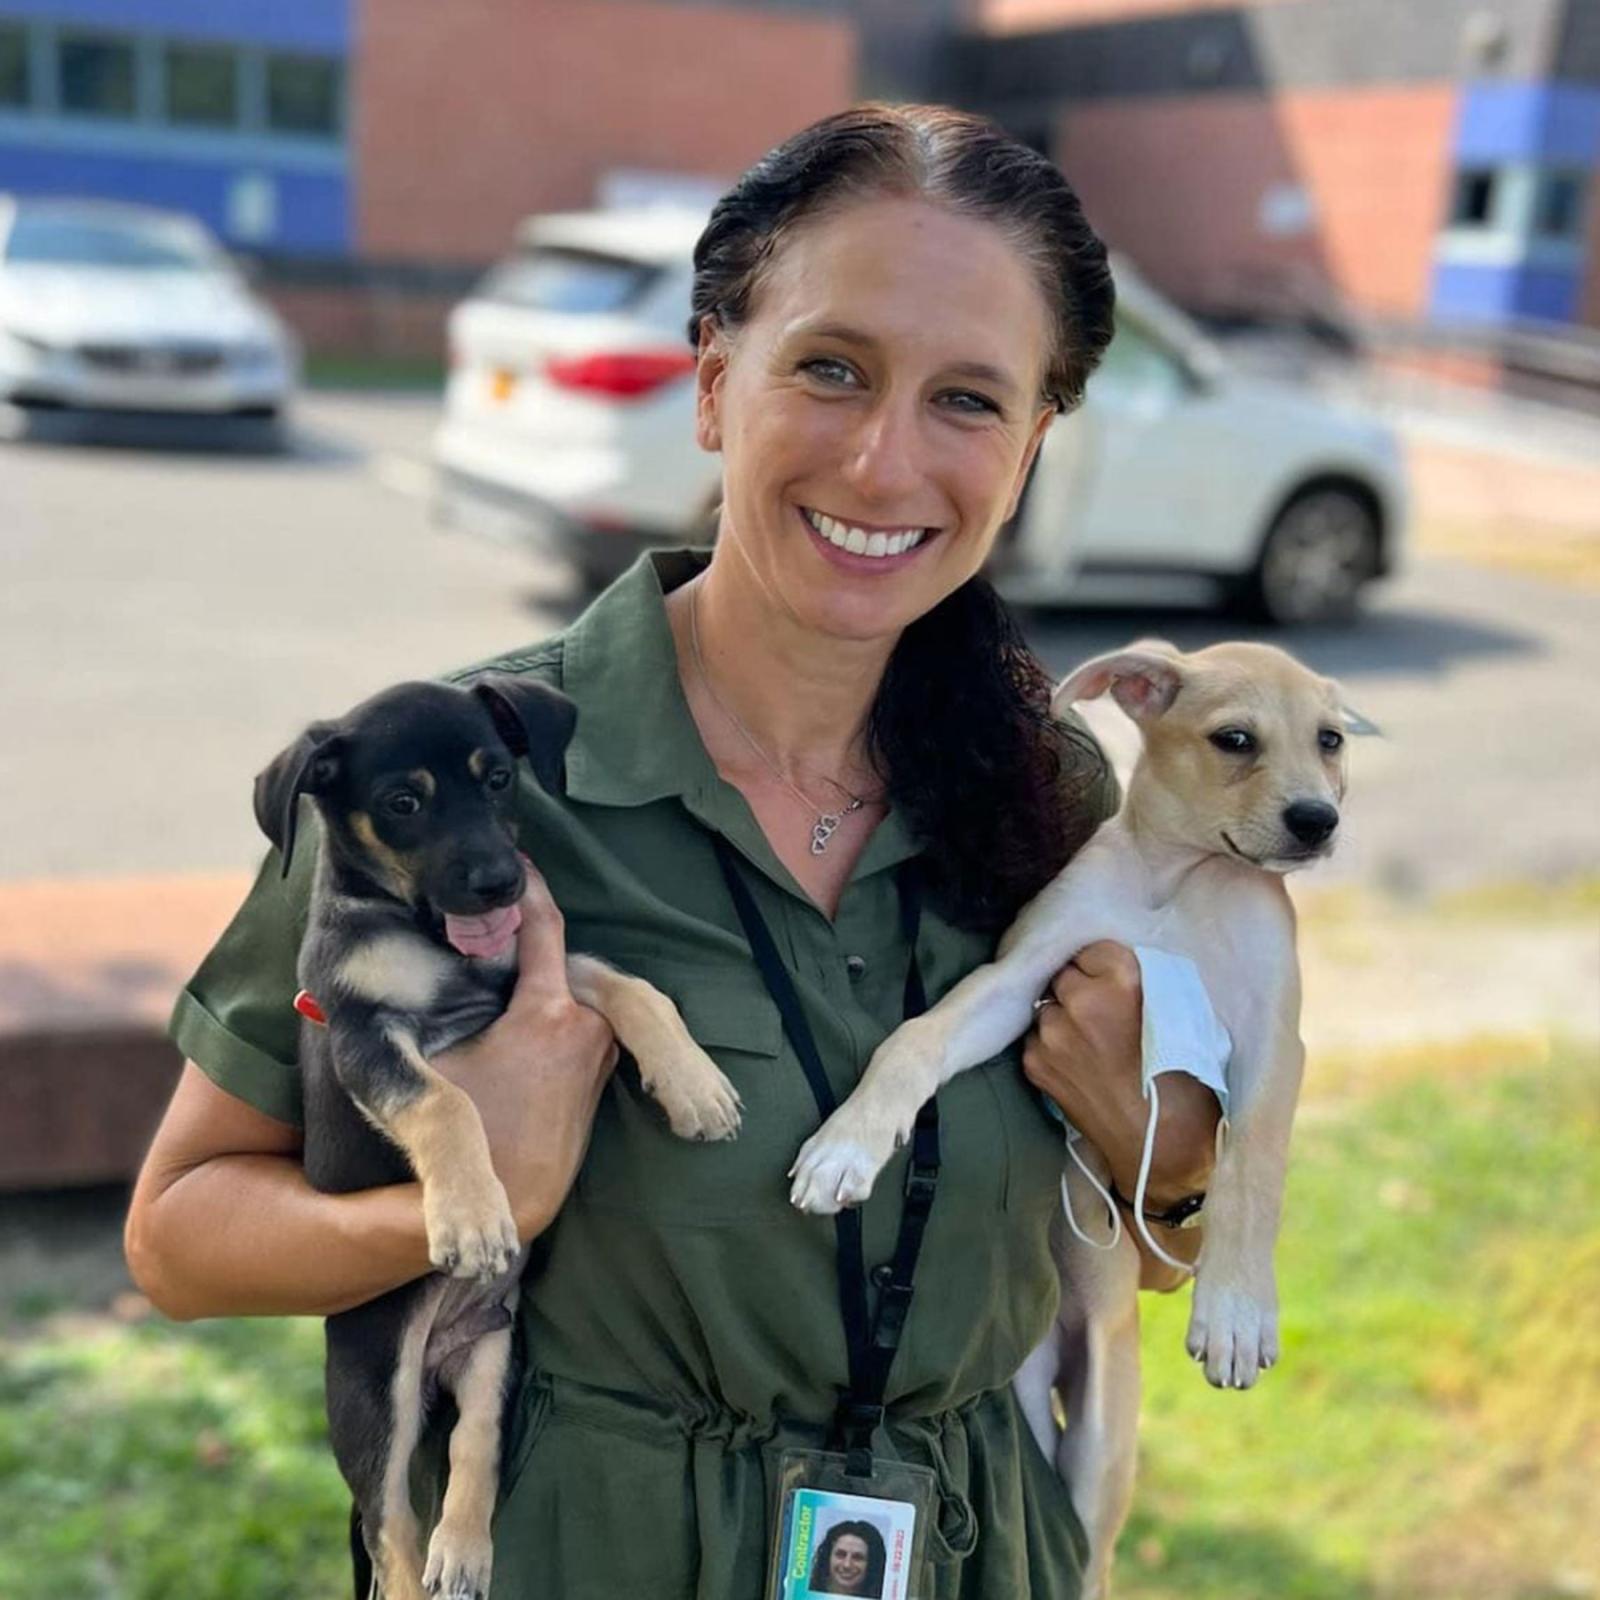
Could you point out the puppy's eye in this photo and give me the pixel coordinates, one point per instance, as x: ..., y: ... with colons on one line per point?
x: 1330, y: 739
x: 402, y: 804
x: 499, y: 779
x: 1235, y: 741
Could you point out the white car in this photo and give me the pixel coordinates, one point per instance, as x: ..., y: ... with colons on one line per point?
x: 126, y: 308
x: 569, y: 422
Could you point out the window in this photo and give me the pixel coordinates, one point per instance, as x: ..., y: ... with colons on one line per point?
x: 567, y: 280
x: 97, y: 75
x: 202, y: 86
x: 1136, y: 370
x: 86, y: 237
x: 1558, y: 210
x: 1474, y: 199
x: 303, y: 95
x: 13, y: 65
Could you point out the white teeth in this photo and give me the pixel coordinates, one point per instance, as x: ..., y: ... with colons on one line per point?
x: 859, y: 542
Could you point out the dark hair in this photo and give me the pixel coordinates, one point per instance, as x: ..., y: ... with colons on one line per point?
x: 877, y: 1559
x: 962, y: 162
x: 995, y: 789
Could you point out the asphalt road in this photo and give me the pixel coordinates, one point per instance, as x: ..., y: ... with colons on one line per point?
x: 174, y: 607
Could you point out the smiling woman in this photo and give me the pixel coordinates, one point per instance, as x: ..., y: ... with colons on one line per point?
x: 889, y: 310
x: 810, y: 780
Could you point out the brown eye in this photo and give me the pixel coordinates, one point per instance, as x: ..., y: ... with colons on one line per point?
x: 1234, y: 741
x: 403, y: 804
x: 499, y: 779
x: 1330, y: 739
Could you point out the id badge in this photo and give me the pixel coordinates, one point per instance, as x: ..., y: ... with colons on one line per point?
x: 840, y: 1534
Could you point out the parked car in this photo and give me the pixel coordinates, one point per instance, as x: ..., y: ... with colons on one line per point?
x: 127, y: 308
x: 569, y: 422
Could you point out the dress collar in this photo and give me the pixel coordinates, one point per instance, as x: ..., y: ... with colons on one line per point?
x: 636, y: 741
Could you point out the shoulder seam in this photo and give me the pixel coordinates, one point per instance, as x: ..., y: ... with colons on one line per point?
x: 543, y: 655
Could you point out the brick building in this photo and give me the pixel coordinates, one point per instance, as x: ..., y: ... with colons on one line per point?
x: 1419, y: 162
x: 376, y: 154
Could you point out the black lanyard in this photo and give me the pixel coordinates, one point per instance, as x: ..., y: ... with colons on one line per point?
x: 870, y: 1342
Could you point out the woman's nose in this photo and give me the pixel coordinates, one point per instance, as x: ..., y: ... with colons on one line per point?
x: 885, y: 458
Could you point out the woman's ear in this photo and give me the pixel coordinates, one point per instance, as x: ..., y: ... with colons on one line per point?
x: 1040, y: 429
x: 712, y: 364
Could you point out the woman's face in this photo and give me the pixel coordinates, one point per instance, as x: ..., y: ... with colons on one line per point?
x: 847, y: 1564
x: 884, y: 391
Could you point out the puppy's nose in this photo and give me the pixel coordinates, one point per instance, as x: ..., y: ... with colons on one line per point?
x: 1310, y: 821
x: 493, y: 884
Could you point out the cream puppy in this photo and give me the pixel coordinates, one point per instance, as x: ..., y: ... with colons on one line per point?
x: 1238, y: 783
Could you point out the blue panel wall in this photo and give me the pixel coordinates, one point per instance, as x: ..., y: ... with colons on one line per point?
x: 313, y: 207
x: 148, y: 161
x: 1554, y: 123
x: 1524, y: 127
x: 320, y: 27
x: 1472, y: 292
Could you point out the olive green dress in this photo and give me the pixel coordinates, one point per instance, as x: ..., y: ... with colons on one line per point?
x: 680, y: 1323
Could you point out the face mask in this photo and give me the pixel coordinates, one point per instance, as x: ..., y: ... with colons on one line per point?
x: 1181, y: 1033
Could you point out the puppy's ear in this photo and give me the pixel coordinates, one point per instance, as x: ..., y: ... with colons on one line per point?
x: 535, y: 720
x: 309, y: 766
x: 1144, y: 680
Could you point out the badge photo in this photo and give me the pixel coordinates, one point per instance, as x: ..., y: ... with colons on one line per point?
x: 846, y: 1544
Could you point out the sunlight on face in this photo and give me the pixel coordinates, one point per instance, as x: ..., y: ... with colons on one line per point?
x: 888, y: 381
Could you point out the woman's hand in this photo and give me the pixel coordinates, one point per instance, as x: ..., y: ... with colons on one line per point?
x: 1085, y: 1053
x: 536, y: 1073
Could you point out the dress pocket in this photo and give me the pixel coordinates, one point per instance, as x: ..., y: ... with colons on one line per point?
x: 635, y: 1162
x: 721, y: 1017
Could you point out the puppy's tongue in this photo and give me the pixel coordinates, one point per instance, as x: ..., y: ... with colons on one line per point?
x: 489, y: 935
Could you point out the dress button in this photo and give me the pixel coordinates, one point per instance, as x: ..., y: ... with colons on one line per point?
x: 856, y: 966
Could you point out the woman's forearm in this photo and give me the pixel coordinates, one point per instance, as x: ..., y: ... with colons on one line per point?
x: 246, y: 1235
x: 224, y: 1223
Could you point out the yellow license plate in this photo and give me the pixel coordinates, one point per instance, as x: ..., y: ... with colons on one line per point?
x: 501, y: 383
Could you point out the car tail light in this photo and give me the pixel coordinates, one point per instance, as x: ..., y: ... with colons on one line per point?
x: 623, y: 375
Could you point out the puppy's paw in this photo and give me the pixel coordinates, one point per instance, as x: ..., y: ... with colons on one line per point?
x: 471, y: 1232
x: 399, y: 1572
x: 459, y: 1563
x: 694, y: 1092
x: 1233, y: 1332
x: 838, y: 1165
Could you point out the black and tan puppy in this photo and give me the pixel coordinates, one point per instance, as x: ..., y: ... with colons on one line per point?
x: 410, y: 948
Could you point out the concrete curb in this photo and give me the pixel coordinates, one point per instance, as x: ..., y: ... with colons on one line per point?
x: 88, y: 974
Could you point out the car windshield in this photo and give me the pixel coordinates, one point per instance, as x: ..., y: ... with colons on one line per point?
x: 63, y: 239
x: 568, y: 280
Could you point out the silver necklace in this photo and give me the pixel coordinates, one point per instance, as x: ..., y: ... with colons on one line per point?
x: 827, y: 822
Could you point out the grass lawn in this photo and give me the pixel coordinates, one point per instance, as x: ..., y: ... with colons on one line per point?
x: 1433, y: 1430
x: 1432, y: 1433
x: 339, y: 370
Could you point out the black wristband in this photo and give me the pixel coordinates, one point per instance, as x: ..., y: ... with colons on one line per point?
x: 1182, y: 1213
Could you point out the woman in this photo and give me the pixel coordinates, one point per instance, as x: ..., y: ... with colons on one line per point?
x: 889, y: 310
x: 850, y: 1560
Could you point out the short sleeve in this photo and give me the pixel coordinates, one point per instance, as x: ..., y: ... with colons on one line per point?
x: 235, y: 1018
